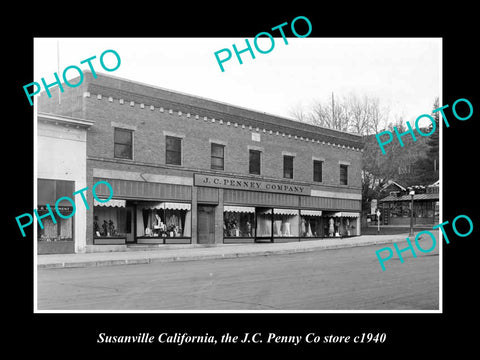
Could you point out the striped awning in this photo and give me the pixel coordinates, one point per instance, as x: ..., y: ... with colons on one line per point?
x: 165, y: 205
x: 109, y: 203
x: 240, y: 209
x: 311, y: 212
x: 285, y: 211
x: 346, y: 214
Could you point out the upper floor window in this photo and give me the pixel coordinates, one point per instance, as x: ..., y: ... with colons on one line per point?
x: 173, y: 150
x: 123, y: 143
x: 288, y: 167
x: 254, y: 162
x: 317, y: 170
x: 217, y: 156
x: 343, y: 174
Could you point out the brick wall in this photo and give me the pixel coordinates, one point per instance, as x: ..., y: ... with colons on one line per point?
x: 149, y: 143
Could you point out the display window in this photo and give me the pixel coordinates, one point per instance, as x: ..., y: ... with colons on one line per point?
x: 111, y: 219
x: 311, y: 223
x: 238, y: 221
x: 48, y: 192
x: 164, y: 219
x: 264, y: 222
x: 340, y: 224
x: 285, y: 223
x: 61, y: 230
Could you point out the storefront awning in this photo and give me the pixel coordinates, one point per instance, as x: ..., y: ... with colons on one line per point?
x: 240, y: 209
x: 311, y: 212
x: 109, y: 203
x: 165, y: 205
x: 346, y: 214
x: 285, y: 211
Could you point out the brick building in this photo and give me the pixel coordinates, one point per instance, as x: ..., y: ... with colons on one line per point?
x: 185, y: 169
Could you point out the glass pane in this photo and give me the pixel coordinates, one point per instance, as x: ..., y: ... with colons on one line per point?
x: 285, y: 223
x: 254, y: 165
x: 311, y: 226
x: 168, y: 223
x: 62, y: 230
x: 46, y: 192
x: 343, y: 174
x: 317, y: 171
x: 264, y: 222
x: 123, y: 136
x: 174, y: 158
x: 217, y: 163
x: 217, y: 150
x: 64, y: 188
x: 238, y: 224
x: 174, y: 144
x: 123, y: 151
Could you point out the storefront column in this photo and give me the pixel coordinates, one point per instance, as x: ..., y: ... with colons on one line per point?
x: 194, y: 215
x: 358, y: 225
x: 219, y: 218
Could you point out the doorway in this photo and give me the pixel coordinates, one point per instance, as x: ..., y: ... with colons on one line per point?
x: 206, y: 224
x: 130, y: 238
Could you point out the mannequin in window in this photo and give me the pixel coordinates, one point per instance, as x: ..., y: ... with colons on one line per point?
x: 331, y: 227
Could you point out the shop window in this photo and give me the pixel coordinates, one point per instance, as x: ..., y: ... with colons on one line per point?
x: 311, y: 223
x: 217, y: 156
x: 61, y: 231
x: 48, y: 191
x: 288, y: 167
x: 264, y: 222
x: 254, y: 162
x: 123, y: 143
x: 339, y: 226
x: 285, y: 223
x: 173, y: 150
x: 164, y: 219
x: 111, y: 220
x: 238, y: 221
x: 317, y: 170
x: 343, y: 174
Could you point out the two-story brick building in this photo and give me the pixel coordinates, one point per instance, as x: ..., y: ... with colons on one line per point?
x: 185, y: 169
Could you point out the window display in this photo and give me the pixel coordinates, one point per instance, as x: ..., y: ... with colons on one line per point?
x: 238, y: 221
x: 111, y: 221
x: 164, y: 219
x: 285, y: 223
x: 48, y: 191
x: 310, y: 223
x: 341, y: 224
x: 62, y: 230
x: 264, y: 222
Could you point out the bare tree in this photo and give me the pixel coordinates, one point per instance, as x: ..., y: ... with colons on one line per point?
x: 348, y: 113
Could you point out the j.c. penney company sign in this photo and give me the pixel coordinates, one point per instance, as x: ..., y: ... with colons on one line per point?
x: 226, y: 182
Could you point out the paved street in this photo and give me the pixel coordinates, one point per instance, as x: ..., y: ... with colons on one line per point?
x: 337, y: 279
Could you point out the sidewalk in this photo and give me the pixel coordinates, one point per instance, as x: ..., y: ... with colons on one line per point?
x: 206, y: 252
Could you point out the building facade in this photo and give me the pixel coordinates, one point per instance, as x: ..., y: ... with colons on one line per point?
x: 61, y: 168
x: 188, y: 170
x: 396, y: 204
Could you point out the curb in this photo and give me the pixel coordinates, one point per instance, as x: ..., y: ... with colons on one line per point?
x: 219, y: 255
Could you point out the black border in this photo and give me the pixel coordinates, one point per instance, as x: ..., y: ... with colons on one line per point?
x: 61, y: 334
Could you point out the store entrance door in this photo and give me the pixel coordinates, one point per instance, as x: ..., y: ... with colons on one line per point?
x: 129, y: 225
x: 206, y: 224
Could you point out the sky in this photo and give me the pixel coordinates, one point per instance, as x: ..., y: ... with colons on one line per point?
x: 404, y: 73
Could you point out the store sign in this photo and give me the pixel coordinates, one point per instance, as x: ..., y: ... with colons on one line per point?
x: 252, y: 185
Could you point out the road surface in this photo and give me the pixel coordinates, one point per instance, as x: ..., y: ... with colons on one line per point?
x: 337, y: 279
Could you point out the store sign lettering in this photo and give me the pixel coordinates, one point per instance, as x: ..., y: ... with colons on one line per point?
x: 254, y: 185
